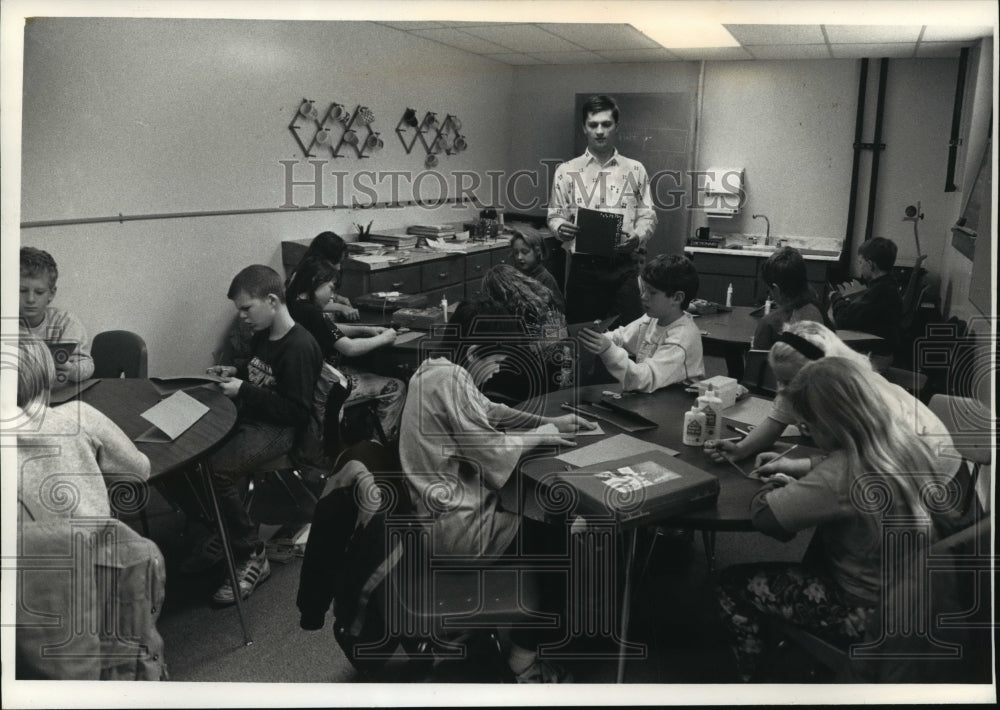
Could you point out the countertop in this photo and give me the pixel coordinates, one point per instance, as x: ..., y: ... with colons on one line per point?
x: 759, y: 253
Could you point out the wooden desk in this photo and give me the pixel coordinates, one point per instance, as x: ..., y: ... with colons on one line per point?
x: 122, y: 401
x: 731, y: 511
x: 729, y: 335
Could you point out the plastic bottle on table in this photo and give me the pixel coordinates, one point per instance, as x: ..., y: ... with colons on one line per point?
x: 767, y: 306
x: 711, y: 404
x: 729, y: 296
x: 694, y: 427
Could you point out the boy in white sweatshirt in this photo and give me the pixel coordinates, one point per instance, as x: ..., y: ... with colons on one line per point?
x: 665, y: 341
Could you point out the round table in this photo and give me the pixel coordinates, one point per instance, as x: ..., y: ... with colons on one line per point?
x: 123, y: 400
x: 730, y: 334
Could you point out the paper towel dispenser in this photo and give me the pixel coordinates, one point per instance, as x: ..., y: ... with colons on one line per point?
x: 724, y: 193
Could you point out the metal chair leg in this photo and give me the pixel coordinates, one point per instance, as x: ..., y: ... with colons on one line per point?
x: 626, y: 602
x: 230, y: 561
x: 708, y: 541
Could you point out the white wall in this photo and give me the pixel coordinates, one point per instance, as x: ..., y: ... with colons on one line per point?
x: 791, y: 126
x: 165, y: 116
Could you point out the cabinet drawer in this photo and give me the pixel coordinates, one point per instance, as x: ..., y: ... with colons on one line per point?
x: 442, y: 272
x: 473, y: 289
x: 726, y: 264
x: 405, y: 279
x: 500, y: 256
x: 476, y: 265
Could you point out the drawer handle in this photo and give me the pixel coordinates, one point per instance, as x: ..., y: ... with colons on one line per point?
x: 442, y: 274
x: 479, y: 267
x: 397, y: 284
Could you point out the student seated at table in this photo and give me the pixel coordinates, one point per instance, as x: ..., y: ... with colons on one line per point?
x: 537, y: 311
x: 331, y: 247
x: 72, y: 448
x: 801, y: 343
x: 528, y: 256
x: 275, y: 400
x: 784, y: 272
x: 40, y: 320
x: 453, y: 449
x: 72, y: 462
x: 836, y: 591
x: 875, y: 307
x: 326, y: 245
x: 665, y: 342
x: 312, y: 286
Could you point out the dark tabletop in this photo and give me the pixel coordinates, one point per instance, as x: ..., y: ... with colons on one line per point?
x: 666, y: 407
x: 123, y: 400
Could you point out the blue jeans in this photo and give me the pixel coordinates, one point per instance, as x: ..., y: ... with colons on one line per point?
x: 252, y: 444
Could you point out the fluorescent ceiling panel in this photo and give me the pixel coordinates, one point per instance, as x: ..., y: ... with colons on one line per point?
x: 668, y: 32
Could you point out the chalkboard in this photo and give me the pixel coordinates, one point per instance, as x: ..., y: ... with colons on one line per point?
x: 657, y: 130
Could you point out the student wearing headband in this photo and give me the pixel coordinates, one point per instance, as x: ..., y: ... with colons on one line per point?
x: 799, y: 344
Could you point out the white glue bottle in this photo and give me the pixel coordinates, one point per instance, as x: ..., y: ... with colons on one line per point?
x: 444, y: 307
x: 711, y: 405
x: 694, y: 427
x: 767, y: 306
x: 729, y: 296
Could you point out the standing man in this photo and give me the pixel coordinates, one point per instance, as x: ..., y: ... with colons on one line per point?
x: 602, y: 179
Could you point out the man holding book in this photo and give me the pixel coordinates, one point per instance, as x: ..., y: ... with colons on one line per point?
x: 603, y: 279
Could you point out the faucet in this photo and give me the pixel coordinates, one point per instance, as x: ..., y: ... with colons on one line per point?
x: 767, y: 235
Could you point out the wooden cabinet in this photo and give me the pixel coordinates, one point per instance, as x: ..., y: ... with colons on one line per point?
x: 717, y: 271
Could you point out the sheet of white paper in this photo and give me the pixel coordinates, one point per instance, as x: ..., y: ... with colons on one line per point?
x: 174, y: 415
x: 615, y: 447
x: 754, y: 410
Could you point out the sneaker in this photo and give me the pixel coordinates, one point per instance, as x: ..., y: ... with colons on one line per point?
x: 250, y: 573
x: 544, y: 672
x: 205, y: 555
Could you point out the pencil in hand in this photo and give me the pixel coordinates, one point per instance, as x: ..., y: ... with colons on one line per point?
x: 778, y: 457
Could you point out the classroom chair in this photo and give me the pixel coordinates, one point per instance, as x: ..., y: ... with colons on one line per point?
x: 122, y: 353
x: 398, y: 595
x: 757, y: 374
x: 119, y: 353
x: 971, y: 429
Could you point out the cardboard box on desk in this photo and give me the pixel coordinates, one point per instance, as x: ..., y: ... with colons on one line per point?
x: 726, y: 389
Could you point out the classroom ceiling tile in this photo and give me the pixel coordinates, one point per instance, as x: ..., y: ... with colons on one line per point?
x: 872, y: 34
x: 776, y: 34
x: 790, y: 51
x: 515, y: 58
x: 638, y: 55
x: 712, y: 53
x: 901, y: 50
x: 577, y: 57
x: 950, y: 33
x: 460, y: 40
x: 523, y: 38
x: 599, y: 37
x: 410, y: 26
x: 939, y: 49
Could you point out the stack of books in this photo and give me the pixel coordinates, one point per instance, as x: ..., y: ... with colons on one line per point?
x: 365, y: 248
x: 394, y: 238
x: 434, y: 231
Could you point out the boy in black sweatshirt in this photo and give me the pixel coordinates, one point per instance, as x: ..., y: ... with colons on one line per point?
x: 274, y: 393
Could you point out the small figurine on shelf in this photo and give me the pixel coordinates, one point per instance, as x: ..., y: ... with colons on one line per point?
x: 364, y: 232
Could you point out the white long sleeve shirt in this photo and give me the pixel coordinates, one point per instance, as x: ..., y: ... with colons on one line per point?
x: 663, y: 354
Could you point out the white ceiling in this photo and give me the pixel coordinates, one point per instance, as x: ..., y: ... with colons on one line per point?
x: 530, y: 43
